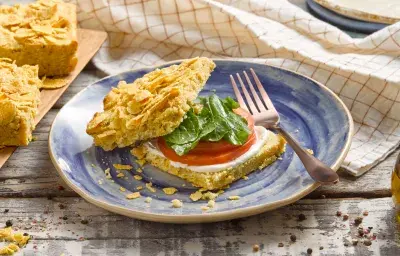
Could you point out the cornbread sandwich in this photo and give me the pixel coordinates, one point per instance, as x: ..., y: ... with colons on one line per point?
x: 208, y: 141
x: 41, y: 33
x: 19, y: 100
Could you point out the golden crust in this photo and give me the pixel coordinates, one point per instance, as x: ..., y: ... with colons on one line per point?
x: 19, y: 100
x: 151, y: 106
x: 42, y: 33
x: 272, y: 149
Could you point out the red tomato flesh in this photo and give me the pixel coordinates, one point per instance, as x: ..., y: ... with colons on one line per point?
x: 209, y: 153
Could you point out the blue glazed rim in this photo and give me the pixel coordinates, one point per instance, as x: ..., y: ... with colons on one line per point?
x: 215, y: 216
x: 344, y: 22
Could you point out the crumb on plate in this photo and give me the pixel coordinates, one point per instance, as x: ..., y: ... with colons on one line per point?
x: 205, y: 208
x: 169, y: 191
x: 133, y: 195
x: 176, y: 203
x: 122, y: 166
x: 149, y: 187
x: 138, y: 177
x: 310, y: 151
x: 234, y: 197
x: 196, y: 195
x: 108, y: 174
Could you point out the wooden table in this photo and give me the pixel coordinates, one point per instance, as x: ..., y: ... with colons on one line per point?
x: 33, y: 192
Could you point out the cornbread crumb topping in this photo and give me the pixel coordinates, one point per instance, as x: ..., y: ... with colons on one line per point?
x: 211, y: 203
x: 36, y: 22
x: 176, y: 203
x: 148, y: 200
x: 122, y: 189
x: 133, y: 195
x: 152, y: 106
x: 120, y: 175
x: 170, y: 191
x: 41, y: 33
x: 19, y: 101
x: 139, y: 187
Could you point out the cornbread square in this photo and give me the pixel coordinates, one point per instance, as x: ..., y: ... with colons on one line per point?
x: 151, y: 106
x: 272, y: 149
x: 19, y: 100
x: 42, y: 33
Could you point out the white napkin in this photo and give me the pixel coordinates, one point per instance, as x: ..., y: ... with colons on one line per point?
x: 365, y: 73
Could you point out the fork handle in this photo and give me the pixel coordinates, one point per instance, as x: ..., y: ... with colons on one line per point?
x: 319, y: 171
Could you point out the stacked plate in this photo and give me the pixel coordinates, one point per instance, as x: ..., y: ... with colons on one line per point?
x: 362, y: 16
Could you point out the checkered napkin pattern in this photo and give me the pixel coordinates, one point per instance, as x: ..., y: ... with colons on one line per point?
x: 365, y: 73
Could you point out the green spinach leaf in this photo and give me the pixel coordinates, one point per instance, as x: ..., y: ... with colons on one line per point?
x: 216, y: 121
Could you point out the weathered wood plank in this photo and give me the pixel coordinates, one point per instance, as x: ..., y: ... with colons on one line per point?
x: 29, y: 172
x: 110, y: 234
x: 374, y: 183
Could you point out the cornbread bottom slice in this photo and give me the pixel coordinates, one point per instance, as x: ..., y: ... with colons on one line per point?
x: 272, y: 149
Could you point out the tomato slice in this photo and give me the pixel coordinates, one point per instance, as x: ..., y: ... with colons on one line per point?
x: 208, y: 147
x: 206, y: 159
x: 247, y: 116
x: 209, y: 153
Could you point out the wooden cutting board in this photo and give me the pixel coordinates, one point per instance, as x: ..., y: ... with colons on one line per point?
x: 89, y: 43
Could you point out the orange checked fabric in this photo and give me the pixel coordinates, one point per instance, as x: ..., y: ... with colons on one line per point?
x: 365, y: 73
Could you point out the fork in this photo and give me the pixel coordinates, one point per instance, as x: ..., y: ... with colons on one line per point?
x: 265, y: 114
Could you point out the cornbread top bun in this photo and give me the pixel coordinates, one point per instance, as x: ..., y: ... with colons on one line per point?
x: 151, y: 106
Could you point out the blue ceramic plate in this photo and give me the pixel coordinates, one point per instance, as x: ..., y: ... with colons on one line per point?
x: 344, y: 22
x: 309, y: 111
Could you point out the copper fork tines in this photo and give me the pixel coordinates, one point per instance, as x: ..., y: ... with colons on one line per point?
x: 264, y: 113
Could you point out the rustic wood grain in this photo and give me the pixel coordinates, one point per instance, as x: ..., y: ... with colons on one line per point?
x: 89, y: 43
x: 58, y: 230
